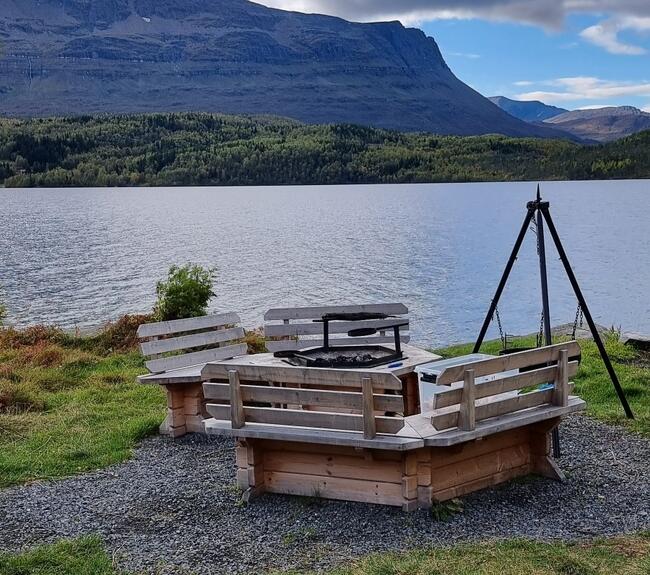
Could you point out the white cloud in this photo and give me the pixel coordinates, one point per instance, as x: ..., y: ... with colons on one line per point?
x: 464, y: 55
x: 595, y: 107
x: 545, y: 13
x: 585, y: 88
x: 646, y: 109
x: 523, y: 83
x: 605, y: 34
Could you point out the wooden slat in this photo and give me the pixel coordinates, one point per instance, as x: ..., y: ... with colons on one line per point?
x: 561, y: 388
x: 312, y: 328
x: 467, y: 413
x: 480, y: 466
x: 507, y: 362
x: 511, y: 383
x: 368, y: 410
x: 331, y: 464
x: 190, y: 341
x: 315, y: 312
x: 482, y: 483
x: 237, y: 415
x: 334, y: 488
x: 319, y: 419
x: 190, y: 324
x: 494, y: 408
x: 295, y: 396
x: 302, y: 375
x: 187, y: 359
x: 293, y: 344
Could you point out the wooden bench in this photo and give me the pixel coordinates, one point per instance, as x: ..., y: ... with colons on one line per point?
x: 176, y: 352
x: 341, y: 434
x: 293, y: 328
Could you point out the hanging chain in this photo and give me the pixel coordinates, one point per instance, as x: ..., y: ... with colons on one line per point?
x: 578, y: 320
x: 504, y: 342
x: 533, y: 228
x: 540, y: 333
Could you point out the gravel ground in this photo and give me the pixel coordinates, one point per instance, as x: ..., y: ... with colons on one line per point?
x: 174, y: 509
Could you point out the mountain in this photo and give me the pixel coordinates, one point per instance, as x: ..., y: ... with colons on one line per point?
x: 72, y: 57
x: 603, y: 124
x: 528, y: 111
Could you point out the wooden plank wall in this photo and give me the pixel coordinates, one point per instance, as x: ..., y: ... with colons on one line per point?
x: 411, y: 480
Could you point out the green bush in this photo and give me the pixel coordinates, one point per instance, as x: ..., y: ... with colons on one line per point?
x: 185, y: 293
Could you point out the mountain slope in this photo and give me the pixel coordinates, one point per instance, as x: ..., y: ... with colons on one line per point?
x: 528, y: 111
x: 62, y: 57
x: 603, y: 124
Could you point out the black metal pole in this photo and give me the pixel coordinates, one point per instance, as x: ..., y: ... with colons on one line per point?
x: 587, y: 313
x: 541, y: 249
x: 504, y: 277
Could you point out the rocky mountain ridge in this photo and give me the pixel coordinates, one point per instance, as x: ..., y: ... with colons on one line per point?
x: 70, y: 57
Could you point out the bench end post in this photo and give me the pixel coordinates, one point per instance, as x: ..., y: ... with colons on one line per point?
x: 237, y: 418
x: 369, y: 424
x: 561, y: 390
x: 467, y: 414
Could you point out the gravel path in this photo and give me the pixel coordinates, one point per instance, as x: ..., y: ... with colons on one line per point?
x: 174, y: 509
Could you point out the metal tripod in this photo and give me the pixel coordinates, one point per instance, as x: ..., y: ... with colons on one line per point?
x: 540, y: 210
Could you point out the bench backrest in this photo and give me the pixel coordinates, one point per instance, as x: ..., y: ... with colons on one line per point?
x: 294, y: 328
x: 467, y: 402
x: 333, y: 399
x: 184, y: 342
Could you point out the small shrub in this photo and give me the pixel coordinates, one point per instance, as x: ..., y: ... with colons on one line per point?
x: 447, y: 509
x: 17, y: 397
x: 42, y: 354
x: 121, y: 335
x: 255, y: 341
x: 185, y: 293
x: 13, y: 338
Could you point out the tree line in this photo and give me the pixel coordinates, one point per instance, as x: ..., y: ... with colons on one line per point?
x: 210, y: 149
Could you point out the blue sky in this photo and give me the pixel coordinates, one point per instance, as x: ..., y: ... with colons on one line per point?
x: 569, y: 53
x: 517, y: 60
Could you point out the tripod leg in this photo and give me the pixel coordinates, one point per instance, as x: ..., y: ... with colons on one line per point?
x: 541, y: 244
x: 504, y: 278
x: 587, y: 313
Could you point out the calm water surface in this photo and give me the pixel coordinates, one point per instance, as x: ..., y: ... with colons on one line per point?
x: 78, y: 257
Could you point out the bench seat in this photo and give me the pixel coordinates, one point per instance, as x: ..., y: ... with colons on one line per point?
x: 416, y: 433
x: 189, y: 374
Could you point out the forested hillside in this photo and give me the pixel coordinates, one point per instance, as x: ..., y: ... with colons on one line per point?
x: 207, y: 149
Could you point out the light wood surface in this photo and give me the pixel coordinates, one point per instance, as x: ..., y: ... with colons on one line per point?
x: 298, y: 330
x: 185, y: 325
x: 508, y: 362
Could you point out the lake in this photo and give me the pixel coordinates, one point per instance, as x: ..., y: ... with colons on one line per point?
x: 78, y: 257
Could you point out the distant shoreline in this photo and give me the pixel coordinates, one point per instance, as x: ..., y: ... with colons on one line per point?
x: 195, y: 149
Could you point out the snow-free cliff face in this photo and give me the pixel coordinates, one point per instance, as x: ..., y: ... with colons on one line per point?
x: 65, y: 57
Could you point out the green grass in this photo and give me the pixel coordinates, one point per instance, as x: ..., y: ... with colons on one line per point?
x: 628, y: 555
x: 622, y: 556
x: 85, y: 556
x: 593, y: 383
x: 67, y: 408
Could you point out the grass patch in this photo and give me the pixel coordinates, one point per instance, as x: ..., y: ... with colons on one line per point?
x: 628, y: 555
x: 625, y: 555
x: 593, y: 383
x: 69, y: 405
x: 84, y: 556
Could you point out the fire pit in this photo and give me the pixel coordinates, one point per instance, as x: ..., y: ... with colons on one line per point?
x: 349, y: 356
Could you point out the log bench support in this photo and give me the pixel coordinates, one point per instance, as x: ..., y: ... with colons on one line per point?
x: 408, y: 479
x: 185, y: 410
